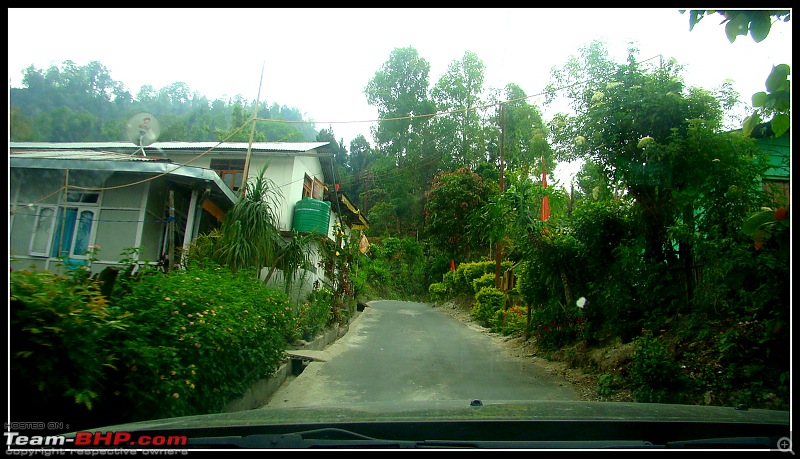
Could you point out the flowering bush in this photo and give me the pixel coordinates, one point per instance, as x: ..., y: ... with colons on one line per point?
x: 316, y: 313
x: 554, y: 329
x: 198, y: 339
x: 57, y: 356
x: 509, y: 321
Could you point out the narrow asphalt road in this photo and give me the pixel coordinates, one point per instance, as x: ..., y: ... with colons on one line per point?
x: 399, y: 351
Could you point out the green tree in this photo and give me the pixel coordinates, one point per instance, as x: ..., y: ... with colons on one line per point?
x: 453, y: 200
x: 68, y: 102
x: 23, y: 126
x: 400, y: 92
x: 357, y: 178
x: 336, y: 148
x: 627, y: 118
x: 280, y: 123
x: 459, y: 130
x: 240, y: 127
x: 524, y: 134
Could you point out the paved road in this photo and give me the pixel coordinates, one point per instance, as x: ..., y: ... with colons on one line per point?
x: 404, y: 351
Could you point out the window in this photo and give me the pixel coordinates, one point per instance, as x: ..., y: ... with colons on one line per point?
x: 230, y: 170
x: 313, y: 188
x: 42, y: 232
x: 65, y: 231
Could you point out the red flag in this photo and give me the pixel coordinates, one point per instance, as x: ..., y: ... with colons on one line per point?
x: 545, y: 202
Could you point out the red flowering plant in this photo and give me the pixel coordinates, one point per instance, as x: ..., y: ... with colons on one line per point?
x: 770, y: 225
x: 556, y: 332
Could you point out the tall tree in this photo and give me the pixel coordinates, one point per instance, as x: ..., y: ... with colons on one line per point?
x: 524, y: 134
x: 400, y: 92
x: 459, y: 130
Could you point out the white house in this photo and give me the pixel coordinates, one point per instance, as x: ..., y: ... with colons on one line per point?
x: 62, y: 201
x: 117, y: 200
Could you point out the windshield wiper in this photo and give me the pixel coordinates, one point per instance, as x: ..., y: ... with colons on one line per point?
x: 341, y: 438
x: 334, y: 438
x: 317, y: 438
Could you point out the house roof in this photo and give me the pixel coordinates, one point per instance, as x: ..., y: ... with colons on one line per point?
x: 159, y: 149
x: 154, y: 147
x: 118, y: 162
x: 87, y: 155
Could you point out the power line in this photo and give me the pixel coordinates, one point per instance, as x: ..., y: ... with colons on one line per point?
x: 254, y: 119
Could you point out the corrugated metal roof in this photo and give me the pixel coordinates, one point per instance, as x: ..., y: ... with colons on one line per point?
x: 257, y: 146
x: 86, y: 155
x: 118, y: 162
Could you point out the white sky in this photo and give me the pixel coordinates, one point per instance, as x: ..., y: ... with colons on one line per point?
x: 320, y: 60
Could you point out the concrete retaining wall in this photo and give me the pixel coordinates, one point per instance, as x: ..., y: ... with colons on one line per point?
x: 258, y: 395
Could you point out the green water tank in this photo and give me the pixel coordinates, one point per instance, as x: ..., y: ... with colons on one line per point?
x: 311, y: 215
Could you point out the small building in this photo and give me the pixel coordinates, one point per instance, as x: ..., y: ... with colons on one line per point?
x: 116, y: 200
x: 777, y: 178
x: 64, y: 201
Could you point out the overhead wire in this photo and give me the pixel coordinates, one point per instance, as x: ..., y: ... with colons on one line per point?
x: 269, y: 120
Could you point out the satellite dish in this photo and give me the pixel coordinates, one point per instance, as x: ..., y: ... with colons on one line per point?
x: 142, y: 129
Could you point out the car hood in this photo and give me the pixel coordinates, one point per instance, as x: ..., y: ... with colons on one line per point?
x: 466, y: 410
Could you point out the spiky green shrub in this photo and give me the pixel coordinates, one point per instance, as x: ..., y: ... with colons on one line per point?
x: 486, y: 280
x: 488, y: 301
x: 437, y: 292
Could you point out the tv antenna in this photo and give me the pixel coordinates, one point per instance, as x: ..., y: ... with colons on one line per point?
x: 142, y: 129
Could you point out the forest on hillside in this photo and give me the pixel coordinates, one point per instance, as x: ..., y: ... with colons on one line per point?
x: 668, y: 234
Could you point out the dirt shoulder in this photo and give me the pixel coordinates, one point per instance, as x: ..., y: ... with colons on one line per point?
x: 583, y: 380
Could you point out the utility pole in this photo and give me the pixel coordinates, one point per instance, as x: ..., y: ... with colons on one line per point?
x: 171, y: 232
x: 499, y: 248
x: 252, y: 133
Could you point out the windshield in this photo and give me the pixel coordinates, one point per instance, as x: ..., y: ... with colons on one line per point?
x: 513, y: 228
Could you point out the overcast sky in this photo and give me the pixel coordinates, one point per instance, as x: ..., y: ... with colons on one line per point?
x: 320, y: 60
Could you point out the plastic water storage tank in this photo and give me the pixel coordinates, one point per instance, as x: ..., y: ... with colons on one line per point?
x: 312, y: 215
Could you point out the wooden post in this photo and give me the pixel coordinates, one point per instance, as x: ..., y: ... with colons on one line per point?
x: 528, y: 322
x: 171, y: 232
x: 499, y: 247
x: 246, y: 172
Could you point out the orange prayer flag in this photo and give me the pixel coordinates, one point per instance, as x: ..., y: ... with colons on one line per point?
x: 545, y: 202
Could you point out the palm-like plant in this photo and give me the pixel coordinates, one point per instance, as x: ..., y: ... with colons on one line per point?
x: 250, y: 235
x: 251, y: 238
x: 293, y: 258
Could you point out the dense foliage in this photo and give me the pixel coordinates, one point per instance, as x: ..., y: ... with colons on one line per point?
x: 666, y: 240
x: 187, y: 342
